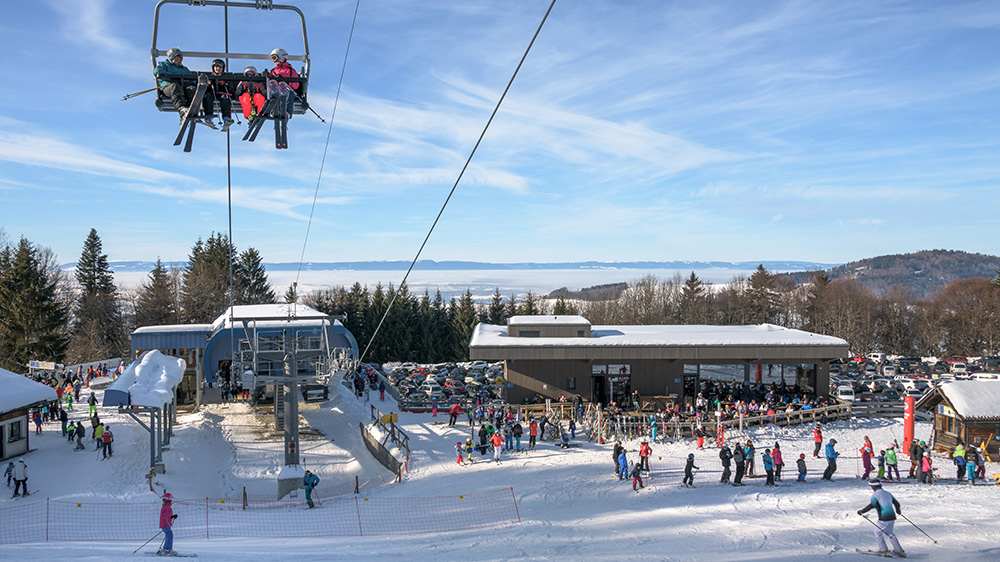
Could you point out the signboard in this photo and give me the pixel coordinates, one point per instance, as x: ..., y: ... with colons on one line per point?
x: 44, y: 365
x: 945, y: 411
x: 389, y: 418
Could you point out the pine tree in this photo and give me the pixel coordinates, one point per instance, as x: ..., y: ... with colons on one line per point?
x: 157, y: 304
x: 32, y: 316
x: 292, y: 293
x: 463, y: 320
x: 762, y: 296
x: 693, y: 305
x: 495, y: 310
x: 98, y: 330
x: 251, y: 281
x: 205, y: 291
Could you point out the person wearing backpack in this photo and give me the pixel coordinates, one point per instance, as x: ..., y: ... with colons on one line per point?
x: 107, y: 438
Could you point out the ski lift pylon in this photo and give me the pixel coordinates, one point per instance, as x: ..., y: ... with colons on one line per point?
x: 300, y: 106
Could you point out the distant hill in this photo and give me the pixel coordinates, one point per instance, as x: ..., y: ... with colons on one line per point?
x: 923, y: 274
x: 431, y: 265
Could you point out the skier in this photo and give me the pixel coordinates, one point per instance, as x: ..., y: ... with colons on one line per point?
x: 221, y: 91
x: 9, y: 473
x: 891, y: 462
x: 453, y: 411
x: 637, y: 477
x: 958, y: 457
x: 801, y: 465
x: 572, y: 428
x: 532, y: 434
x: 310, y: 481
x: 468, y: 450
x: 458, y: 451
x: 921, y: 452
x: 748, y: 456
x: 881, y: 464
x: 622, y: 465
x: 926, y: 474
x: 107, y: 438
x: 92, y: 405
x: 497, y: 442
x: 915, y: 455
x: 166, y: 522
x: 71, y: 430
x: 768, y: 467
x: 644, y: 451
x: 740, y: 465
x: 615, y: 452
x: 971, y: 460
x: 20, y: 473
x: 63, y: 417
x: 699, y: 434
x: 689, y: 468
x: 887, y: 507
x: 517, y: 432
x: 866, y: 460
x: 727, y: 457
x: 818, y: 438
x: 174, y: 87
x: 831, y: 460
x: 779, y: 463
x: 81, y: 432
x: 283, y: 69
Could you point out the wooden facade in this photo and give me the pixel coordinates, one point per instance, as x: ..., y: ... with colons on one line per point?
x: 953, y: 426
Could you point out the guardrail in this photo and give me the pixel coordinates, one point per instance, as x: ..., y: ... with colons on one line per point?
x: 888, y: 409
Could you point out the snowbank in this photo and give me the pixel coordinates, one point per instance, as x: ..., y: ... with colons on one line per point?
x: 149, y: 381
x: 20, y: 391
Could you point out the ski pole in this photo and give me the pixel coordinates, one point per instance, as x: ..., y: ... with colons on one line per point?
x: 918, y: 528
x: 130, y: 96
x: 876, y: 525
x: 147, y: 542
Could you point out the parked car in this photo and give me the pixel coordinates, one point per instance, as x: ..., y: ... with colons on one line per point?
x: 959, y: 367
x: 889, y: 395
x: 914, y: 393
x: 845, y: 393
x: 888, y: 371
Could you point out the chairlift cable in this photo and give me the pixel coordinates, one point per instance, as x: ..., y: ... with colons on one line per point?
x: 326, y: 147
x: 458, y: 179
x: 229, y: 194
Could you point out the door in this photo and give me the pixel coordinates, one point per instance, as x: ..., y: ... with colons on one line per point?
x: 599, y: 393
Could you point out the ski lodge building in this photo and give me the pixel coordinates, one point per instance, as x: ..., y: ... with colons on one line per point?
x: 19, y: 395
x: 966, y: 412
x: 566, y: 355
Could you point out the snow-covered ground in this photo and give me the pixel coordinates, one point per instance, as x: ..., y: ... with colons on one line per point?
x: 570, y: 504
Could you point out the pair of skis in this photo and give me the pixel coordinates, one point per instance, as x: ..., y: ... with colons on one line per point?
x: 275, y: 109
x: 191, y: 117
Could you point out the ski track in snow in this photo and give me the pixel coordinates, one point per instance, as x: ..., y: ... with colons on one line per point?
x: 570, y: 503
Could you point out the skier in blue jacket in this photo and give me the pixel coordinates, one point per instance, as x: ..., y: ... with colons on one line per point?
x: 309, y: 481
x: 769, y: 467
x: 887, y: 507
x: 622, y: 465
x: 831, y: 460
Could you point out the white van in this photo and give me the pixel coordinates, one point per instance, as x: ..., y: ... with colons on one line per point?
x: 877, y: 357
x: 845, y: 393
x: 986, y: 377
x: 959, y: 368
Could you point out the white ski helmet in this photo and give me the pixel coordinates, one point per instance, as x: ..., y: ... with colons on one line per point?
x: 280, y: 53
x: 250, y: 70
x: 173, y: 53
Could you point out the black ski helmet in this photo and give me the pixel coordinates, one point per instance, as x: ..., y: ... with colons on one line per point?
x: 219, y: 62
x: 691, y: 455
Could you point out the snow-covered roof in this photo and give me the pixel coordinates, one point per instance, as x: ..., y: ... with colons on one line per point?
x: 18, y: 391
x: 974, y: 399
x: 148, y: 381
x: 490, y: 335
x: 547, y: 320
x: 175, y: 329
x: 254, y: 311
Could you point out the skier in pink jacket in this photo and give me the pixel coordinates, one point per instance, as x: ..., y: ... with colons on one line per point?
x: 166, y: 522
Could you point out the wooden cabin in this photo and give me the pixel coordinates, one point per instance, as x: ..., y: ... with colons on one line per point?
x: 965, y: 412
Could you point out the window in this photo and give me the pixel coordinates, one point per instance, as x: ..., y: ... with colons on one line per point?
x: 570, y: 383
x: 15, y: 430
x: 529, y: 333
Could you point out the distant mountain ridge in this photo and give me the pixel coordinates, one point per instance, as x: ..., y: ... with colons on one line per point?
x: 922, y: 273
x: 431, y: 265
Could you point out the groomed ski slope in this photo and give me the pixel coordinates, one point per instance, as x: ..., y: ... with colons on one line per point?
x: 570, y: 504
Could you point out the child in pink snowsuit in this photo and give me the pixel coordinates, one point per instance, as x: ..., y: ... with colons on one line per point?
x: 458, y: 450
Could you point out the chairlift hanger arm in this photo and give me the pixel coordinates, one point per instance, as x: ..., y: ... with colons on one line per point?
x: 258, y: 5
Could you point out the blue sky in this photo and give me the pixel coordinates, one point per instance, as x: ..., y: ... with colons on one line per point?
x: 819, y: 131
